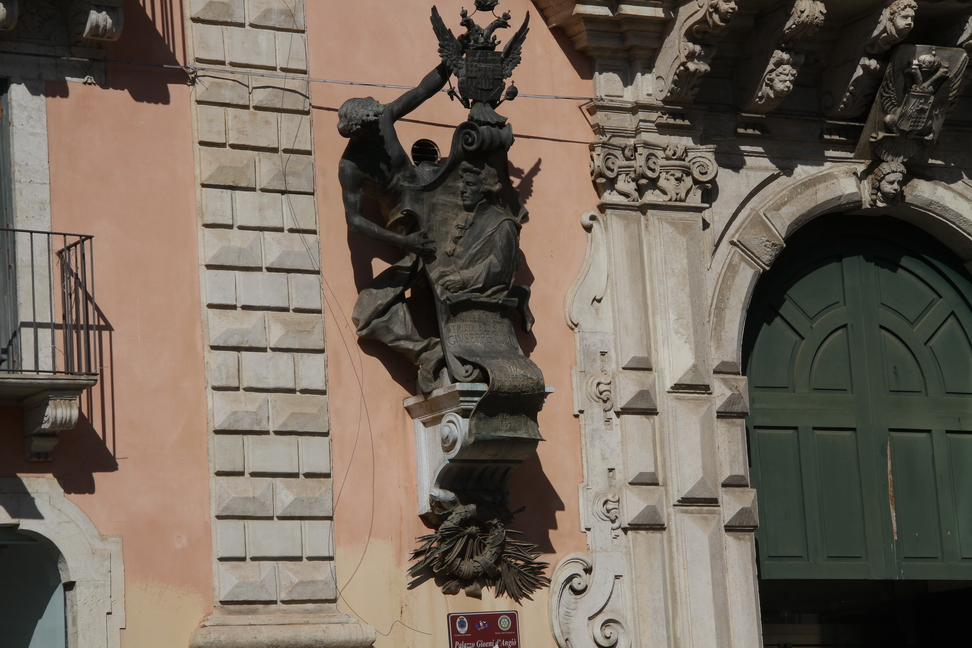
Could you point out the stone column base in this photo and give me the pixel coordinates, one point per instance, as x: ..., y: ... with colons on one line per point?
x: 282, y: 631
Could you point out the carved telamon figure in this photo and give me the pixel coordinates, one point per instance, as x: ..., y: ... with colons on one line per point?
x: 457, y: 224
x: 883, y: 187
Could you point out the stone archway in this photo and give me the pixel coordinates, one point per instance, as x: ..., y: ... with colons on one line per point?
x: 90, y: 564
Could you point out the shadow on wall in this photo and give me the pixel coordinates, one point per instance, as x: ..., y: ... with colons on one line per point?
x: 531, y: 489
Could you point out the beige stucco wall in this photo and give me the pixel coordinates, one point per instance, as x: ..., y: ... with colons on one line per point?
x: 375, y: 515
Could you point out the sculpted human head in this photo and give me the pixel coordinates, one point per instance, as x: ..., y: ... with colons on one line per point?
x: 901, y: 15
x: 886, y: 183
x: 359, y: 116
x: 781, y: 80
x: 724, y: 10
x: 477, y: 182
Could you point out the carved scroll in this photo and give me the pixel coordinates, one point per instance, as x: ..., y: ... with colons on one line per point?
x: 95, y: 22
x: 44, y: 416
x: 685, y: 58
x: 849, y: 84
x: 770, y: 83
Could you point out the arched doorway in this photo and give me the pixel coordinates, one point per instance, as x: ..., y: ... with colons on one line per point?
x: 858, y: 351
x: 32, y: 605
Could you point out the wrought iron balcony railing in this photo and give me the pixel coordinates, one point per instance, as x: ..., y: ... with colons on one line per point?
x: 48, y: 317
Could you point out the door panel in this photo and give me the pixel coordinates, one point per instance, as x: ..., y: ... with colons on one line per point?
x: 859, y: 361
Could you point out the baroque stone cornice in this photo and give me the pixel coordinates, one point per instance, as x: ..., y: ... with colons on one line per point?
x: 609, y: 28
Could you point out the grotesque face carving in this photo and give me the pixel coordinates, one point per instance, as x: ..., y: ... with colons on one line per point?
x: 781, y: 81
x: 722, y: 11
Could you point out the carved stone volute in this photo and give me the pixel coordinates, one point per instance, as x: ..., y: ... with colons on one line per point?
x: 689, y: 48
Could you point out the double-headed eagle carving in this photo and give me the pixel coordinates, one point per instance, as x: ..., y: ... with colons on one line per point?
x: 472, y: 58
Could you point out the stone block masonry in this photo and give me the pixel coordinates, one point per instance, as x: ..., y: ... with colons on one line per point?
x: 270, y: 452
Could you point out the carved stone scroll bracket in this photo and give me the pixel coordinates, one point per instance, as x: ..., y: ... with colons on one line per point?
x: 45, y: 415
x: 452, y: 465
x: 690, y: 44
x: 920, y: 88
x: 585, y: 299
x: 8, y: 14
x: 96, y: 22
x: 767, y: 84
x: 849, y: 84
x: 586, y: 602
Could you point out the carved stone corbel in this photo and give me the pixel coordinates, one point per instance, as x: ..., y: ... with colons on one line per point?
x: 767, y: 84
x: 678, y: 173
x: 850, y: 82
x: 585, y: 605
x: 45, y: 415
x: 95, y: 22
x: 8, y: 14
x: 689, y: 47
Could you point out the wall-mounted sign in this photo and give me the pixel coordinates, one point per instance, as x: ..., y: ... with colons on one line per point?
x: 484, y: 630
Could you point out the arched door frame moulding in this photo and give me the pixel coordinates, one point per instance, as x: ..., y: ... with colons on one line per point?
x: 90, y: 564
x: 757, y: 237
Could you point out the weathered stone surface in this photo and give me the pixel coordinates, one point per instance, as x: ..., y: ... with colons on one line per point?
x: 217, y: 207
x: 242, y: 497
x: 219, y: 11
x: 295, y: 133
x: 230, y: 540
x: 315, y: 455
x: 220, y: 288
x: 296, y: 331
x: 228, y: 454
x: 263, y: 290
x: 311, y: 372
x: 268, y: 371
x: 232, y: 249
x: 289, y: 173
x: 252, y: 129
x: 277, y: 14
x: 303, y: 498
x: 224, y: 370
x: 286, y: 251
x: 222, y: 89
x: 237, y: 329
x: 207, y: 44
x: 249, y: 582
x: 227, y: 168
x: 306, y: 581
x: 241, y: 411
x: 299, y: 413
x: 292, y: 52
x: 272, y: 455
x: 318, y: 539
x: 291, y: 95
x: 252, y: 48
x: 255, y: 210
x: 273, y: 539
x: 211, y: 122
x: 300, y: 213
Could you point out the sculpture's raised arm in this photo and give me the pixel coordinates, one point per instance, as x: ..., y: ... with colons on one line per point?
x: 432, y: 83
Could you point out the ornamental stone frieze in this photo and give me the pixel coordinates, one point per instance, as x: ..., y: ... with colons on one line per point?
x: 781, y: 34
x: 670, y: 171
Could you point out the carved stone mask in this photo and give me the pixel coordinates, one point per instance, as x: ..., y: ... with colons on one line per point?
x: 889, y: 187
x: 903, y: 19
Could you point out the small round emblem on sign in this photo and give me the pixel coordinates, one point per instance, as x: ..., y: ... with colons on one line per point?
x: 462, y: 625
x: 504, y: 622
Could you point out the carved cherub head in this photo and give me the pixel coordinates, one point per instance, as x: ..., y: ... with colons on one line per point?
x: 359, y: 117
x: 885, y: 184
x: 901, y: 16
x: 780, y: 81
x: 722, y: 11
x: 478, y: 182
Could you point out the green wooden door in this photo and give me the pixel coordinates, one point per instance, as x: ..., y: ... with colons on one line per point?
x: 860, y: 374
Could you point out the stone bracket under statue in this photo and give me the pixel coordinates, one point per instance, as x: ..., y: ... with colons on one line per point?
x: 456, y: 463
